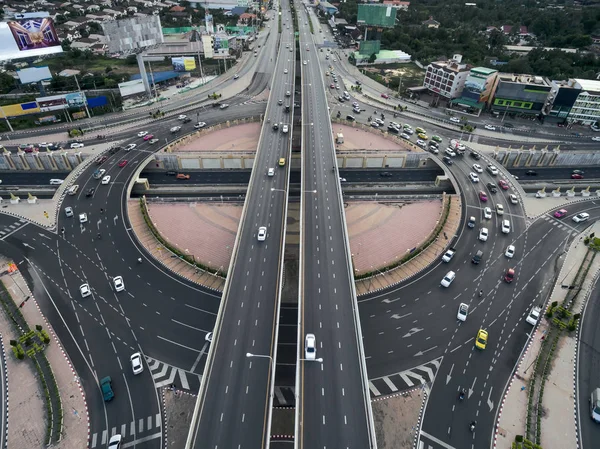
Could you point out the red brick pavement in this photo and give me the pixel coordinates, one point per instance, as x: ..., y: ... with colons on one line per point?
x: 240, y: 137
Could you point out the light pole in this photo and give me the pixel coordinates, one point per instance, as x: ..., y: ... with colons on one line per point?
x: 264, y: 356
x: 319, y: 360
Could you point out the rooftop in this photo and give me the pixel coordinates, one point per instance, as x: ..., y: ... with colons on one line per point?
x: 523, y: 79
x: 483, y: 70
x: 589, y: 85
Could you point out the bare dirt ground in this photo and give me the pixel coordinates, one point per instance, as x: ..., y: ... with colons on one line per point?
x: 396, y: 420
x: 178, y: 411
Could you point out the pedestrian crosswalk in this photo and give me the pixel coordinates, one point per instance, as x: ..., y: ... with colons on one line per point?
x: 564, y: 225
x: 8, y: 229
x: 404, y: 380
x: 131, y: 431
x: 165, y: 375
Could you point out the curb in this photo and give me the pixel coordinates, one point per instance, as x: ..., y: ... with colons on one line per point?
x: 5, y: 369
x: 164, y: 405
x: 57, y: 341
x: 420, y: 419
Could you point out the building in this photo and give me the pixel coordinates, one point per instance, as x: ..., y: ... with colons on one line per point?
x: 447, y: 78
x: 430, y: 23
x: 561, y: 100
x: 477, y: 91
x: 383, y: 57
x: 586, y: 109
x: 397, y: 4
x: 520, y: 94
x: 328, y: 8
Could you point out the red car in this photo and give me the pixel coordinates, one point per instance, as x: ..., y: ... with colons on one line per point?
x: 148, y: 137
x: 560, y: 213
x: 123, y: 163
x: 101, y: 160
x: 503, y: 184
x: 332, y: 86
x: 386, y: 96
x: 482, y: 196
x: 509, y: 276
x: 576, y: 176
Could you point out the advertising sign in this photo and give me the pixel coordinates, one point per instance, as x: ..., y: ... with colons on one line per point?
x: 131, y: 88
x: 79, y: 115
x: 75, y: 100
x: 376, y: 15
x: 17, y: 110
x: 52, y: 103
x: 208, y: 21
x: 28, y: 37
x: 34, y: 74
x: 474, y: 86
x: 183, y: 64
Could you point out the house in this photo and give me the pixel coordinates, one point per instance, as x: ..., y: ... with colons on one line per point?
x: 177, y: 9
x: 397, y: 4
x: 76, y: 22
x: 99, y: 48
x: 246, y: 18
x: 430, y: 23
x: 93, y: 8
x: 508, y: 29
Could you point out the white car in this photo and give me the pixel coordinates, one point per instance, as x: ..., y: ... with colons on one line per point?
x: 224, y: 106
x: 450, y: 152
x: 84, y: 289
x: 473, y: 177
x: 182, y: 117
x: 77, y: 145
x: 236, y: 76
x: 208, y: 337
x: 487, y: 213
x: 68, y: 211
x: 262, y: 234
x: 136, y: 363
x: 271, y: 171
x: 199, y: 125
x: 83, y: 218
x: 174, y: 129
x: 142, y: 133
x: 513, y: 198
x: 534, y: 315
x: 118, y: 283
x: 152, y: 141
x: 505, y: 226
x: 115, y: 442
x: 106, y: 179
x: 463, y: 311
x: 490, y: 127
x: 492, y: 169
x: 310, y: 347
x: 421, y: 143
x: 284, y: 129
x: 499, y: 209
x: 448, y: 279
x: 478, y: 168
x: 510, y: 251
x: 454, y: 119
x: 483, y: 234
x: 406, y: 136
x: 304, y: 62
x: 596, y: 139
x: 130, y: 147
x: 285, y: 70
x: 580, y: 218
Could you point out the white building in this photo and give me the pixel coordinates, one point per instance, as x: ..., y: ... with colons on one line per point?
x: 447, y: 78
x: 586, y: 109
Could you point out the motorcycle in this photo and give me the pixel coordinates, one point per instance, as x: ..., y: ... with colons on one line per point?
x: 370, y: 118
x: 472, y: 426
x: 461, y: 395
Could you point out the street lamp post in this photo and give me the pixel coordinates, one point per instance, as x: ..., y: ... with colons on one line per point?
x: 319, y: 360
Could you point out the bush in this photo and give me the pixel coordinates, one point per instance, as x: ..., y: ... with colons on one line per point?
x: 18, y: 352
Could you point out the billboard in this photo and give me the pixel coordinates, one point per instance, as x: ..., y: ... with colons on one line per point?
x: 474, y: 87
x: 57, y: 102
x: 369, y: 47
x: 376, y: 16
x: 28, y: 37
x: 137, y: 33
x: 17, y: 110
x: 131, y: 88
x: 183, y: 64
x: 34, y: 74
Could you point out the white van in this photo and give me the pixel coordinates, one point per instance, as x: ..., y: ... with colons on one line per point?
x: 73, y: 189
x: 56, y: 182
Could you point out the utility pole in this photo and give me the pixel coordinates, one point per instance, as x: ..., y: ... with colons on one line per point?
x: 82, y: 96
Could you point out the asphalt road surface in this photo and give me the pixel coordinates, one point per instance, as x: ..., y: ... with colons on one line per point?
x: 333, y: 406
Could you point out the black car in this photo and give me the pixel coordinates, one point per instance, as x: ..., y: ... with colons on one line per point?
x: 385, y: 174
x: 492, y: 187
x: 115, y: 150
x: 90, y: 192
x: 216, y: 104
x: 448, y: 160
x: 509, y: 125
x: 393, y: 129
x: 477, y: 257
x: 531, y: 173
x: 275, y: 127
x: 171, y: 173
x: 350, y: 118
x: 475, y: 155
x: 186, y: 120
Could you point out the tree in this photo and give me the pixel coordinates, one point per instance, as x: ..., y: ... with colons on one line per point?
x: 372, y: 58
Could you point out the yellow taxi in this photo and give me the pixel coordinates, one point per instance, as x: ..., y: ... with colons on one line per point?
x: 281, y: 161
x: 481, y: 340
x: 420, y: 130
x: 423, y: 136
